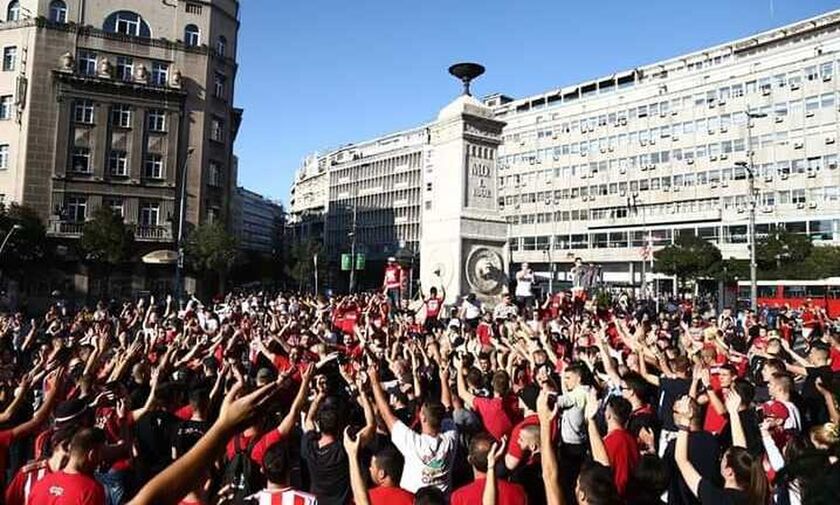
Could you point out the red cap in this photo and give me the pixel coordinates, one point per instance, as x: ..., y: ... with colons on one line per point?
x: 776, y: 410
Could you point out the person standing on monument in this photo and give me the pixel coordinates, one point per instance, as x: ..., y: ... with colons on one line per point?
x: 392, y: 284
x: 524, y: 281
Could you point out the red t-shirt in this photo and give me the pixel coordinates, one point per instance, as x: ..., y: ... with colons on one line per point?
x: 390, y: 496
x: 484, y: 332
x: 494, y: 416
x: 61, y: 488
x: 623, y: 454
x: 506, y: 493
x: 260, y: 448
x: 715, y: 421
x: 433, y: 307
x: 17, y: 492
x: 835, y: 359
x: 392, y: 277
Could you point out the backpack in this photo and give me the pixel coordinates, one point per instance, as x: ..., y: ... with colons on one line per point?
x: 241, y: 477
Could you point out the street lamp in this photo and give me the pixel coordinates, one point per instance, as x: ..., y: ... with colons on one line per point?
x: 182, y: 209
x: 9, y: 234
x: 750, y: 169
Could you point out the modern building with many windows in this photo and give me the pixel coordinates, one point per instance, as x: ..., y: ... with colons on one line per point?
x: 256, y: 222
x: 104, y: 104
x: 601, y: 169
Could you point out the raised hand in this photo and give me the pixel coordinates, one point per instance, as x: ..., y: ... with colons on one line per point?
x: 733, y: 402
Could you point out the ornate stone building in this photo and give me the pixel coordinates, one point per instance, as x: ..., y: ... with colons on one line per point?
x: 104, y: 103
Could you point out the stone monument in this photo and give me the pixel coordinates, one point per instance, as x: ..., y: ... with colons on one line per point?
x: 463, y: 231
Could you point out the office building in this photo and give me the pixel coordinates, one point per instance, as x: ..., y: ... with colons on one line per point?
x: 257, y: 222
x: 600, y: 169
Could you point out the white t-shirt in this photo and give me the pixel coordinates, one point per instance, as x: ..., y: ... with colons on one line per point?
x: 471, y: 311
x: 428, y: 460
x: 523, y: 283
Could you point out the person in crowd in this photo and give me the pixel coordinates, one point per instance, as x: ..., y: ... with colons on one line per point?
x: 259, y: 397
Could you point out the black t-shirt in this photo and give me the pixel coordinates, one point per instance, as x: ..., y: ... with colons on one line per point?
x: 328, y: 469
x: 703, y: 453
x: 670, y: 390
x: 710, y: 493
x: 153, y: 436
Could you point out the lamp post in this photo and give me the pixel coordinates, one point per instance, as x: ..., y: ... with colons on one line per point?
x: 182, y: 209
x: 353, y: 250
x: 750, y: 168
x: 9, y: 234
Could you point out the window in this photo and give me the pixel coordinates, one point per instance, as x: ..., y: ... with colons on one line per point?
x: 118, y: 163
x: 221, y: 45
x: 160, y: 73
x: 121, y: 116
x: 9, y: 58
x: 219, y: 85
x: 215, y: 174
x: 13, y: 11
x: 83, y: 111
x: 193, y: 8
x: 127, y: 23
x: 125, y: 68
x: 154, y: 166
x: 86, y: 63
x: 6, y: 106
x: 157, y: 120
x: 116, y: 205
x: 58, y: 11
x: 217, y: 130
x: 80, y: 160
x: 4, y: 156
x: 76, y: 207
x: 192, y: 37
x: 149, y: 214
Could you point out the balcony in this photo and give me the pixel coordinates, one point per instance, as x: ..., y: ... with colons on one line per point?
x: 72, y: 229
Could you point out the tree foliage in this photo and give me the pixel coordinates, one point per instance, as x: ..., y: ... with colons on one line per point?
x: 299, y: 262
x: 781, y: 252
x: 106, y: 239
x: 28, y: 244
x: 210, y: 248
x: 688, y: 258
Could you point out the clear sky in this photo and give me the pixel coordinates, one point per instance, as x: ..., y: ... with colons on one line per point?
x: 315, y: 74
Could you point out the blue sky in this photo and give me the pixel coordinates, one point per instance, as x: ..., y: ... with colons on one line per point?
x: 318, y: 73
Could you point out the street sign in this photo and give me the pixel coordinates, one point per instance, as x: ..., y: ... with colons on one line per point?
x: 345, y: 262
x: 360, y: 261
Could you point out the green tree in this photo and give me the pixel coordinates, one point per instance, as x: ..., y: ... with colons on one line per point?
x: 300, y: 265
x: 27, y: 246
x: 687, y: 259
x: 824, y: 261
x: 210, y: 249
x: 106, y: 241
x: 780, y: 253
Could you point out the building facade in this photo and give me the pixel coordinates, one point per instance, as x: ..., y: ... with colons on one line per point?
x: 257, y: 222
x: 105, y: 104
x: 612, y: 168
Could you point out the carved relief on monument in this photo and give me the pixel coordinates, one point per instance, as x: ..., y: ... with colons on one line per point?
x: 485, y: 271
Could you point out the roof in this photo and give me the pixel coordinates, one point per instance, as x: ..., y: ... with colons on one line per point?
x: 465, y: 104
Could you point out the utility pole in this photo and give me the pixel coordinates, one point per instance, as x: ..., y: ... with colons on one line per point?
x: 182, y: 210
x: 750, y: 168
x: 353, y: 250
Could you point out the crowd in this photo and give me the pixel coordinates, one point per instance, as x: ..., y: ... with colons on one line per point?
x: 288, y: 398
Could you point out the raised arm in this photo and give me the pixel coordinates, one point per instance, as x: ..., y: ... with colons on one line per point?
x: 463, y: 392
x: 550, y: 468
x: 596, y: 442
x: 733, y: 403
x: 683, y: 412
x: 357, y: 482
x: 488, y: 496
x: 53, y: 382
x: 171, y: 485
x: 381, y: 402
x: 288, y: 423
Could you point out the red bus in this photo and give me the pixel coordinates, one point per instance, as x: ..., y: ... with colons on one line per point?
x: 823, y: 293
